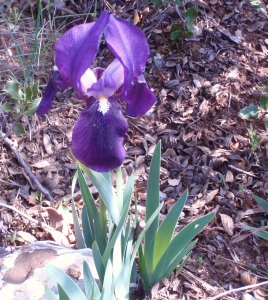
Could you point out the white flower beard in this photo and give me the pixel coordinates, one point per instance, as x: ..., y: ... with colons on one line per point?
x: 104, y: 105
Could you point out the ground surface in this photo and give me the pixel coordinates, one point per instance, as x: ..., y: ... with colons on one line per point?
x: 201, y: 83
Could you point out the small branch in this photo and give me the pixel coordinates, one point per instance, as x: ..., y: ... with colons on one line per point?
x: 185, y: 273
x: 238, y: 290
x: 179, y: 13
x: 136, y: 127
x: 10, y: 183
x: 41, y: 224
x: 62, y: 8
x: 6, y: 135
x: 38, y: 185
x: 242, y: 171
x: 242, y: 265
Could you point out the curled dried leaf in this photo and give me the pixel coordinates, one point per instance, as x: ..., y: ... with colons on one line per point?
x: 227, y: 223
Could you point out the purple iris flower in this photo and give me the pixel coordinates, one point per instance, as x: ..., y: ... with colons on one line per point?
x: 100, y: 129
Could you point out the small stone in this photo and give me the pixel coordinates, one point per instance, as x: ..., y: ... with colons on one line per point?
x: 74, y: 271
x: 211, y: 248
x: 258, y: 259
x: 58, y: 95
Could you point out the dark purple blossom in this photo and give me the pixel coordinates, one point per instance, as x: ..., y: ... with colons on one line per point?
x: 100, y: 129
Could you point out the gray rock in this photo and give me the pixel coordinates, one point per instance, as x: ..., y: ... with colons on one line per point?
x: 23, y: 275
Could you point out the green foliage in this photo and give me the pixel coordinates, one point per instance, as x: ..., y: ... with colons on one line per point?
x: 190, y: 15
x: 108, y: 230
x: 113, y: 254
x: 258, y: 231
x: 253, y: 111
x: 264, y: 89
x: 18, y: 129
x: 179, y: 30
x: 264, y: 102
x: 162, y: 252
x: 261, y: 202
x: 65, y: 283
x: 258, y: 5
x: 26, y: 61
x: 254, y: 138
x: 200, y: 260
x: 255, y: 3
x: 250, y: 112
x: 13, y: 237
x: 187, y: 28
x: 22, y: 103
x: 159, y: 3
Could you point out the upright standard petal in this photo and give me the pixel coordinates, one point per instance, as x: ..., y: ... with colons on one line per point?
x: 104, y: 87
x: 116, y: 71
x: 98, y: 138
x: 129, y: 46
x: 77, y: 48
x: 54, y: 83
x: 87, y: 79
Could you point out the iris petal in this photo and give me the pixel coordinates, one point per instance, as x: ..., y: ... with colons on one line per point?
x: 87, y: 79
x: 54, y: 83
x: 104, y: 87
x: 76, y: 49
x: 129, y: 46
x: 116, y: 71
x: 139, y: 99
x: 98, y: 139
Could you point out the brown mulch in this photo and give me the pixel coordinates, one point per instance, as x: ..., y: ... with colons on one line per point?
x: 201, y: 83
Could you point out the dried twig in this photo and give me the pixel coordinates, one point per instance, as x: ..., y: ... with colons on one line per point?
x: 11, y: 183
x: 240, y: 264
x: 3, y: 137
x: 62, y: 8
x: 187, y: 274
x: 238, y: 290
x: 179, y: 13
x: 136, y: 127
x: 38, y: 185
x: 41, y: 224
x: 242, y: 171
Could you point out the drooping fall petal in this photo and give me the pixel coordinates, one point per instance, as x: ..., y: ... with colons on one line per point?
x: 98, y: 138
x: 54, y: 83
x: 139, y: 99
x: 76, y: 49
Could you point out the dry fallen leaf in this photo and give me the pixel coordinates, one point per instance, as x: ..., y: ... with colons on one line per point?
x: 136, y: 19
x: 209, y: 197
x: 227, y: 223
x: 28, y: 238
x: 47, y: 143
x: 14, y: 171
x: 41, y: 164
x: 56, y: 221
x: 229, y: 177
x: 32, y: 199
x: 58, y: 237
x: 173, y: 182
